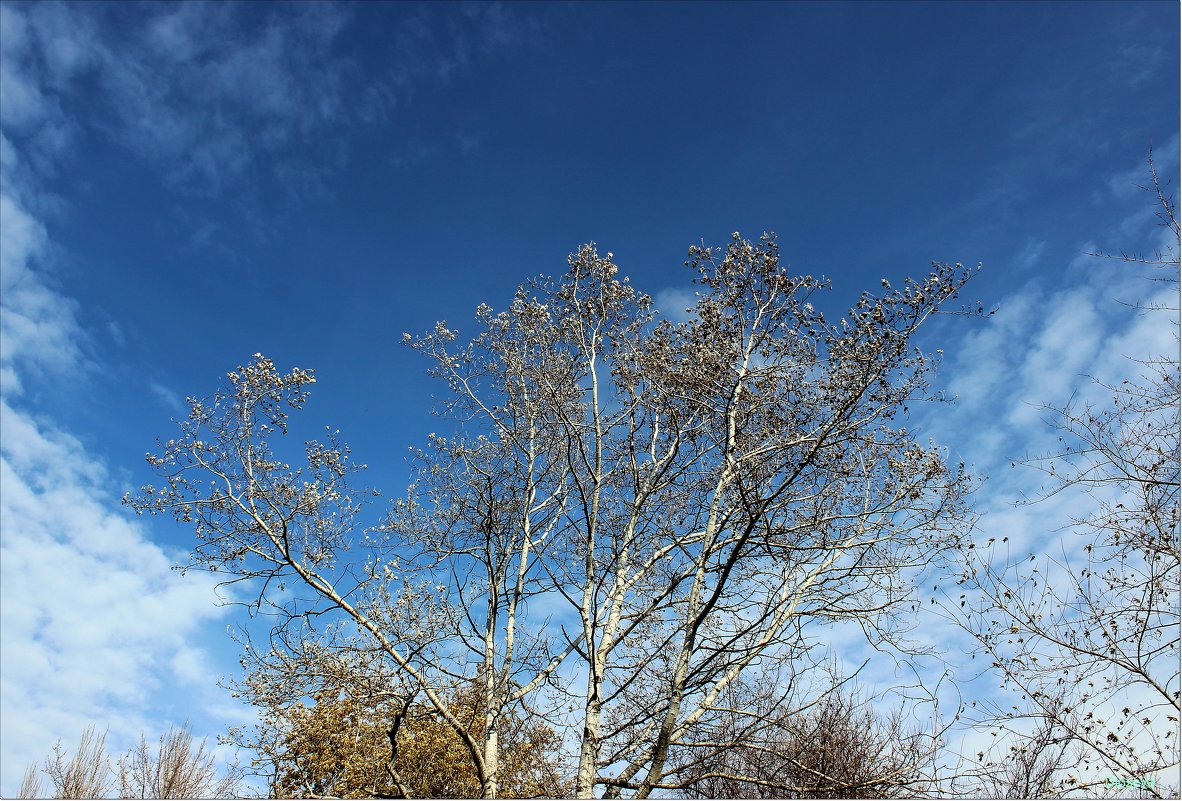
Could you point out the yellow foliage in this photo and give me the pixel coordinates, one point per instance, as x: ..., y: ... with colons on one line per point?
x: 339, y: 746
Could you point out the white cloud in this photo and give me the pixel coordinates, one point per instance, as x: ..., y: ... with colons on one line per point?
x: 980, y: 368
x: 676, y: 304
x: 23, y: 103
x: 1043, y: 347
x: 96, y: 626
x: 1055, y: 356
x: 204, y: 91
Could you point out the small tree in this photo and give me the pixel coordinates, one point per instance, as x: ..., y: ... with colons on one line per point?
x: 179, y: 768
x: 84, y: 774
x: 835, y: 746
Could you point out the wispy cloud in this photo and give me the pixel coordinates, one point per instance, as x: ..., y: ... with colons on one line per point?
x: 95, y: 628
x: 38, y: 327
x: 204, y: 90
x: 1128, y: 183
x: 1042, y: 349
x: 1029, y: 256
x: 433, y: 43
x: 167, y: 397
x: 191, y: 87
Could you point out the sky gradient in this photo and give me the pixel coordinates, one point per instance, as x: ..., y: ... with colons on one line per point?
x: 184, y: 185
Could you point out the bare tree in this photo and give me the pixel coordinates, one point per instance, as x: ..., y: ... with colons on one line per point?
x: 1090, y: 640
x: 84, y: 774
x: 262, y: 520
x: 834, y: 746
x: 699, y: 496
x: 179, y: 768
x: 706, y: 487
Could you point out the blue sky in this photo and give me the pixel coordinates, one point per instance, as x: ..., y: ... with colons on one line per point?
x: 187, y: 184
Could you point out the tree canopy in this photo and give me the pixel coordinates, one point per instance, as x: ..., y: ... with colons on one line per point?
x: 633, y: 516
